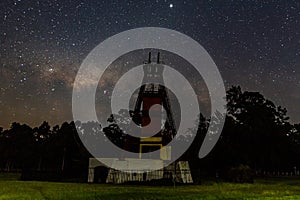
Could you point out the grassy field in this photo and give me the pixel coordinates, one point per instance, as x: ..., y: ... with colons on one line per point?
x: 261, y: 189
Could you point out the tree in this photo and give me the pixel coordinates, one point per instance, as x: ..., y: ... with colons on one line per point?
x: 257, y: 130
x: 16, y: 146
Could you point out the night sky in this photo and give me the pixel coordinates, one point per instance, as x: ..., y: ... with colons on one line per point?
x: 255, y: 44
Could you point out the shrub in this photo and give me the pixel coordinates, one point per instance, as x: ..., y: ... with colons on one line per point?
x: 241, y: 174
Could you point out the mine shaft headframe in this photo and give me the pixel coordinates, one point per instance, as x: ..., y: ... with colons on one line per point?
x: 162, y: 93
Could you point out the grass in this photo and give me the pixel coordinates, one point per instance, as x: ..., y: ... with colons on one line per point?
x: 10, y: 188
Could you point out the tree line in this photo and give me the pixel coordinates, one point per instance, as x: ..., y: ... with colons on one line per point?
x: 256, y: 133
x: 43, y: 152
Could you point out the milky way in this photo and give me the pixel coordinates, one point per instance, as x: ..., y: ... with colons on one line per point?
x: 255, y: 44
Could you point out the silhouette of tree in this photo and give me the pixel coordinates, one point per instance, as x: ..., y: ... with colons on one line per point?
x: 16, y: 146
x: 255, y: 131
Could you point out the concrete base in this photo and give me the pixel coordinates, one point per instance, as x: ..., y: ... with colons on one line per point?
x: 139, y: 170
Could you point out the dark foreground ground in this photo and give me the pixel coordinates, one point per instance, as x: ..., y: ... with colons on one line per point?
x: 275, y: 188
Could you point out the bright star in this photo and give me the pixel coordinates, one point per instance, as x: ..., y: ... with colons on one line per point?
x: 171, y: 5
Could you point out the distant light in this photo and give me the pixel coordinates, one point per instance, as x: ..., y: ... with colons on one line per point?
x: 171, y: 5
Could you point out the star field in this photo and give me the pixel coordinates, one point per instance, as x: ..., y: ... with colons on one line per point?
x: 255, y: 44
